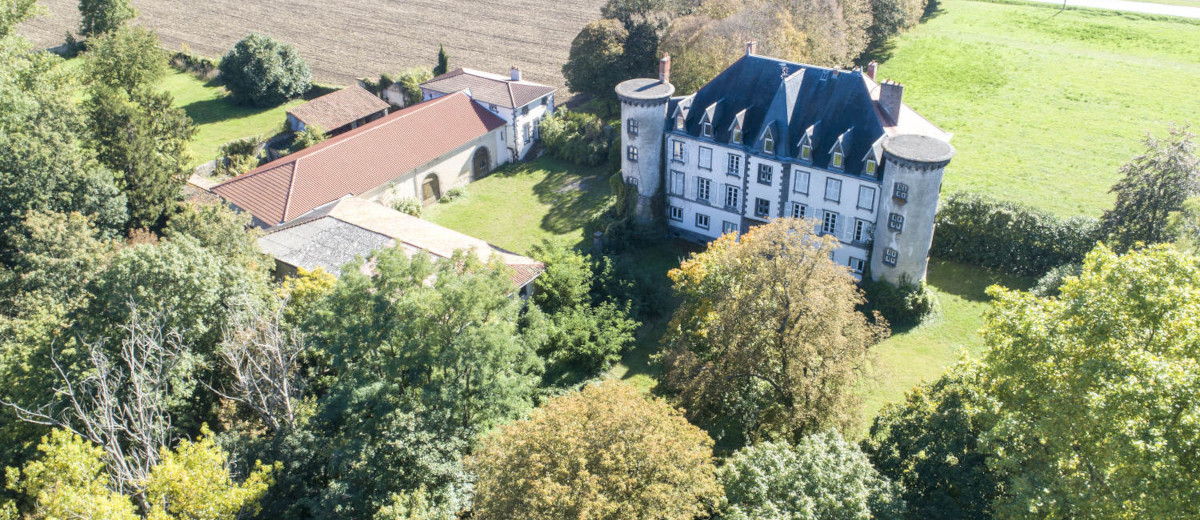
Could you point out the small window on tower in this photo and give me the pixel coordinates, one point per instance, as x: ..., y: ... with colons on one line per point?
x: 632, y: 125
x: 631, y: 153
x: 896, y: 222
x: 890, y: 257
x: 900, y: 192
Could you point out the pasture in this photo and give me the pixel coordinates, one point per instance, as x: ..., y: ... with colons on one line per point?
x: 345, y: 39
x: 1046, y: 105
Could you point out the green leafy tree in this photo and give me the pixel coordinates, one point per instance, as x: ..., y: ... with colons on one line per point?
x: 310, y: 136
x: 567, y: 280
x: 13, y: 12
x: 656, y: 13
x: 410, y: 81
x: 263, y: 72
x: 891, y: 17
x: 639, y: 55
x: 220, y: 230
x: 1154, y: 185
x: 1098, y: 391
x: 1184, y: 225
x: 69, y: 481
x: 822, y: 477
x: 929, y: 445
x: 594, y: 65
x: 605, y: 452
x: 768, y: 343
x: 127, y: 60
x: 98, y: 17
x: 443, y: 61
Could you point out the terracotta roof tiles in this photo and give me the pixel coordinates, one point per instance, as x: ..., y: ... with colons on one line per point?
x: 340, y: 108
x: 489, y: 88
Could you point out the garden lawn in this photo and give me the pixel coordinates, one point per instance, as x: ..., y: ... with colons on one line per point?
x: 218, y: 120
x: 924, y: 352
x: 519, y: 205
x: 1046, y: 105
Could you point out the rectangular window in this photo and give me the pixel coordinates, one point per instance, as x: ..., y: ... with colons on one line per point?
x: 703, y: 188
x: 762, y: 207
x: 799, y: 210
x: 765, y: 172
x: 862, y: 230
x: 706, y: 129
x: 800, y: 184
x: 679, y: 122
x: 702, y: 221
x: 833, y: 190
x: 631, y: 153
x: 736, y: 138
x: 729, y: 227
x: 677, y: 151
x: 735, y: 164
x: 837, y: 159
x: 806, y: 152
x: 769, y: 144
x: 733, y: 197
x: 896, y: 222
x: 631, y: 125
x: 857, y: 265
x: 866, y: 198
x: 829, y: 223
x: 677, y: 183
x: 870, y: 169
x: 900, y: 192
x: 528, y: 132
x: 676, y: 213
x: 706, y: 158
x: 890, y: 257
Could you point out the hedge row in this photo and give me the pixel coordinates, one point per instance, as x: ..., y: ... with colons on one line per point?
x: 1009, y: 237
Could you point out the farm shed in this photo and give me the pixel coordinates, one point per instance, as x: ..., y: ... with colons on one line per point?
x: 338, y: 112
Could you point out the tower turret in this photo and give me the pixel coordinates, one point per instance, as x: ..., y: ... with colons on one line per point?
x: 643, y: 123
x: 912, y: 182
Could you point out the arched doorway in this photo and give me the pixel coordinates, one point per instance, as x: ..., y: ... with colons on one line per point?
x: 482, y: 163
x: 430, y: 192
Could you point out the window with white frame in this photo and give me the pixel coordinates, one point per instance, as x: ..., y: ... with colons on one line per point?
x: 837, y: 158
x: 631, y: 152
x: 706, y: 128
x: 799, y: 210
x: 829, y: 223
x: 679, y: 121
x: 703, y: 188
x: 857, y: 265
x: 890, y: 257
x: 705, y: 157
x: 736, y: 135
x: 677, y: 184
x: 735, y: 164
x: 762, y: 207
x: 733, y: 197
x: 702, y: 221
x: 800, y: 181
x: 769, y: 143
x: 833, y: 189
x: 900, y: 192
x: 729, y: 227
x: 896, y: 222
x: 765, y: 173
x: 806, y: 151
x: 862, y: 230
x: 866, y: 198
x: 631, y: 125
x: 677, y: 151
x: 870, y: 167
x: 676, y: 213
x: 528, y: 132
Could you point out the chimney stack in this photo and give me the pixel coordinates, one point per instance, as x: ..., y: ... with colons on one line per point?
x: 664, y: 69
x: 515, y: 74
x: 871, y: 68
x: 891, y: 95
x: 751, y: 48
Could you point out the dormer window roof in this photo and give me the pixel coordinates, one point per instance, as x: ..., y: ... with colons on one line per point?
x: 735, y: 128
x: 871, y: 159
x: 706, y: 127
x: 768, y: 140
x: 837, y: 156
x: 806, y: 143
x: 680, y: 117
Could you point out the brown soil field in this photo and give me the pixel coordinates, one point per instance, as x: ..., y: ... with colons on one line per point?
x: 346, y: 39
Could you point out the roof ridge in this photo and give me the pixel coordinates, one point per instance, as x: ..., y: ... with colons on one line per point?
x: 287, y: 200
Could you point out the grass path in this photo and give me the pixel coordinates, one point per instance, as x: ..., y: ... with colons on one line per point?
x: 1045, y: 106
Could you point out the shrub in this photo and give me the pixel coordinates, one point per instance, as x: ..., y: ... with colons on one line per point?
x: 1008, y: 236
x: 408, y: 205
x: 576, y: 137
x: 237, y: 157
x: 1050, y: 283
x: 453, y: 193
x: 410, y: 81
x: 263, y: 72
x: 310, y: 136
x: 902, y: 305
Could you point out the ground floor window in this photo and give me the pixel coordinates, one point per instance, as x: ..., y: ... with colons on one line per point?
x: 857, y: 265
x: 676, y: 213
x: 702, y: 221
x: 729, y: 227
x: 762, y: 207
x: 829, y: 223
x: 862, y: 230
x: 799, y: 210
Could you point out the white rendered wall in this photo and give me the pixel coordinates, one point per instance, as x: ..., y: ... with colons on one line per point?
x: 913, y: 242
x: 646, y: 171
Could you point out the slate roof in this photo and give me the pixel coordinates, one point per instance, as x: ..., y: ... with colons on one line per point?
x: 340, y: 108
x: 792, y: 100
x: 489, y: 88
x: 359, y: 160
x: 350, y: 228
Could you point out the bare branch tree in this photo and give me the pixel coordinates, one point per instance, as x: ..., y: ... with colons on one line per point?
x: 263, y: 357
x: 118, y: 403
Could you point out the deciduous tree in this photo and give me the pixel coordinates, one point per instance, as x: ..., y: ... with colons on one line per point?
x: 595, y: 63
x: 98, y: 17
x: 128, y: 60
x: 263, y: 72
x: 1153, y: 185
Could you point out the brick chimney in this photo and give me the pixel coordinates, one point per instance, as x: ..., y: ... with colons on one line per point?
x: 515, y: 74
x: 871, y: 68
x: 751, y: 48
x: 891, y: 95
x: 664, y: 69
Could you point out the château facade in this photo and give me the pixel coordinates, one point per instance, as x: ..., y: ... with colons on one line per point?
x: 768, y: 138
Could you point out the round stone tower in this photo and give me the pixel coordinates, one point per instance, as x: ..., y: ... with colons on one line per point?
x: 643, y: 123
x: 912, y: 184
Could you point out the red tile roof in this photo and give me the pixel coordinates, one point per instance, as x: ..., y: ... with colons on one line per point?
x: 340, y: 108
x: 489, y: 88
x: 359, y: 160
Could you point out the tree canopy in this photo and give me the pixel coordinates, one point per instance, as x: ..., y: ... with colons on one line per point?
x: 1154, y: 185
x: 98, y: 17
x: 263, y: 72
x: 595, y: 63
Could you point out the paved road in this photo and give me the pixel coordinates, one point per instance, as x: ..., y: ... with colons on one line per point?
x: 1134, y: 7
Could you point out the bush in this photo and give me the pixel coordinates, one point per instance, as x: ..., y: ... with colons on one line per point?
x: 184, y: 61
x: 408, y: 205
x: 1050, y: 283
x: 576, y: 137
x: 263, y: 72
x: 237, y: 157
x: 310, y: 136
x: 1009, y: 237
x: 904, y: 305
x: 453, y: 193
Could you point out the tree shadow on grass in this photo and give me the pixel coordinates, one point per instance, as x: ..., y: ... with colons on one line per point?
x: 970, y: 282
x: 219, y: 109
x: 575, y: 194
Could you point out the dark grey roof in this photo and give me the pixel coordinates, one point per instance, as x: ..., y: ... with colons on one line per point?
x: 322, y: 242
x: 789, y: 98
x: 919, y: 148
x: 644, y: 89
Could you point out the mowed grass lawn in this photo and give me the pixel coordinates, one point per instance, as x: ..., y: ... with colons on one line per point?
x: 1046, y: 105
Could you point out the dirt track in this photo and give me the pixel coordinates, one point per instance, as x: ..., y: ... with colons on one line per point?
x: 346, y: 39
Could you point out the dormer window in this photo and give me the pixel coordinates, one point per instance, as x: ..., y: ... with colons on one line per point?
x: 679, y: 121
x: 870, y: 168
x: 768, y: 143
x: 837, y: 158
x: 806, y: 152
x: 706, y: 128
x: 736, y: 136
